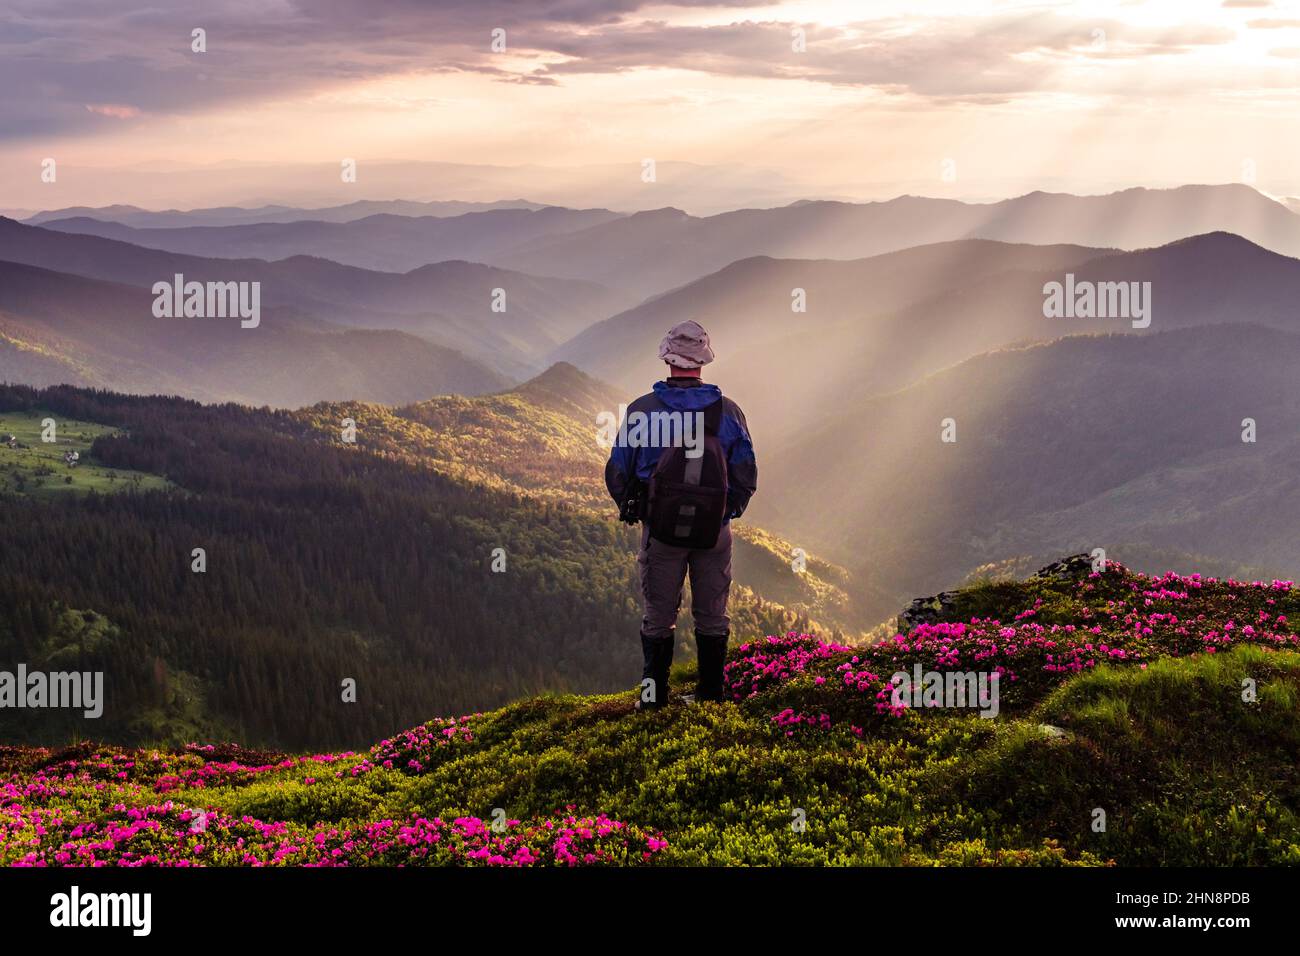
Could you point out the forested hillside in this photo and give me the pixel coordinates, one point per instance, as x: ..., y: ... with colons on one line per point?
x: 324, y: 562
x: 540, y: 440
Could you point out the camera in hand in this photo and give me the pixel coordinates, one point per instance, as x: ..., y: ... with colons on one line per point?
x: 632, y: 507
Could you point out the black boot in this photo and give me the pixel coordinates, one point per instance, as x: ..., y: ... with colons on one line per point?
x: 658, y: 656
x: 713, y: 654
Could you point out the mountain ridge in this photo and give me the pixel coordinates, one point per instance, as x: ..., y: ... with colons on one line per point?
x: 104, y: 334
x: 1027, y: 474
x: 381, y: 241
x: 625, y: 254
x: 874, y: 325
x: 452, y: 306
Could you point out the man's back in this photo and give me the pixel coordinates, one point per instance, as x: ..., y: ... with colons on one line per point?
x: 630, y: 459
x: 695, y: 417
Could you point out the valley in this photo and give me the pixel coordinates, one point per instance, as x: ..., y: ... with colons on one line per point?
x: 844, y: 402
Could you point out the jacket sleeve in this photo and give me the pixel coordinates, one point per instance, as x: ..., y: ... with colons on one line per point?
x: 742, y: 466
x: 619, y: 471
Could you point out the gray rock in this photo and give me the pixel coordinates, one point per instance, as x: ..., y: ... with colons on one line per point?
x: 1067, y: 569
x: 928, y: 610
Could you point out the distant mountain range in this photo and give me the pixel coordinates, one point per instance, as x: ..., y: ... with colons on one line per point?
x: 847, y: 332
x: 449, y: 303
x: 857, y: 307
x: 871, y: 325
x: 1132, y: 443
x: 649, y: 253
x: 875, y: 325
x: 57, y: 328
x: 616, y: 185
x: 387, y: 242
x: 652, y: 252
x: 239, y: 216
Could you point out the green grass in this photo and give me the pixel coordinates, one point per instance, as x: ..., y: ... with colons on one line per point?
x: 36, y: 468
x: 1187, y: 769
x: 1187, y: 773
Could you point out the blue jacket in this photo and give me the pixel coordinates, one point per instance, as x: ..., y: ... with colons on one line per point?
x: 688, y: 395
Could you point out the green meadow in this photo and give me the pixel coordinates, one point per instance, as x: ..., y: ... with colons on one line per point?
x: 37, y: 468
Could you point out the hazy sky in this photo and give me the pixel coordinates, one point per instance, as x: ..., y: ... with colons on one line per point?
x: 973, y: 98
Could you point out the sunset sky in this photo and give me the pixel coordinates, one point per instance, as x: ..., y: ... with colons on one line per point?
x: 1016, y: 95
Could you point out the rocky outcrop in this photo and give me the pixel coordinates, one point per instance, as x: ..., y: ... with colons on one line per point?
x: 943, y: 606
x: 928, y: 610
x: 1067, y: 569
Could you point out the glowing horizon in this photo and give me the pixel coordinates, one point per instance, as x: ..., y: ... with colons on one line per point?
x: 978, y: 101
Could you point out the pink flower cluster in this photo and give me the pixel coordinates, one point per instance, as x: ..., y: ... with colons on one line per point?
x: 791, y: 720
x: 169, y: 834
x: 107, y: 808
x: 775, y: 660
x: 1129, y: 619
x: 411, y: 750
x: 218, y: 774
x: 562, y: 840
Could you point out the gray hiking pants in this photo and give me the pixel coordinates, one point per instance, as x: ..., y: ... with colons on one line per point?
x: 663, y: 570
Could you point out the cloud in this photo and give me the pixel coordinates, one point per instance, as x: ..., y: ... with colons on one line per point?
x: 979, y: 58
x: 115, y: 110
x: 56, y: 59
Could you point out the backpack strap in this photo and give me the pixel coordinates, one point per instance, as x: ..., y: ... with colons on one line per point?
x: 712, y: 422
x: 713, y: 417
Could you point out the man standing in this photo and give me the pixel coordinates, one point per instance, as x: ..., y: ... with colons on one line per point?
x: 683, y: 465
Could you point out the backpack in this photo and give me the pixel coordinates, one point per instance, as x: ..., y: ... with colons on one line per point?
x: 688, y: 496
